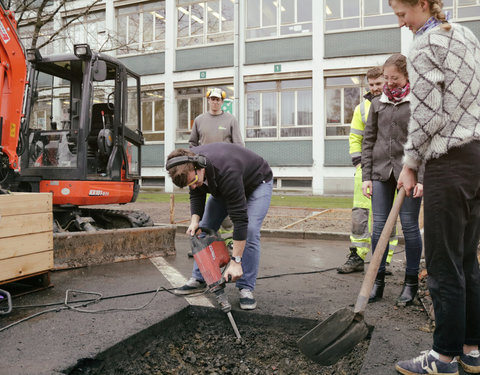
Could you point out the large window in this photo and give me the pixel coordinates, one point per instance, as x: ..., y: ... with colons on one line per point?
x: 89, y: 28
x: 153, y: 106
x: 141, y: 28
x: 357, y: 14
x: 204, y: 22
x: 465, y: 8
x: 342, y: 95
x: 272, y: 18
x: 192, y: 102
x: 279, y: 109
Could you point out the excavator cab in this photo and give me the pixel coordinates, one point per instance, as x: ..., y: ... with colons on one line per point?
x: 82, y: 125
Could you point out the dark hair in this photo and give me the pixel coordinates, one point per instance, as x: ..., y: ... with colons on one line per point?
x: 374, y: 72
x: 179, y: 173
x: 399, y: 61
x: 436, y: 8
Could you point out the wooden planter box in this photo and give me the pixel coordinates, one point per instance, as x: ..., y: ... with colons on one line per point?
x: 26, y: 235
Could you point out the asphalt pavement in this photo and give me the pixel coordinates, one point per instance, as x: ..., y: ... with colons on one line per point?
x: 297, y: 278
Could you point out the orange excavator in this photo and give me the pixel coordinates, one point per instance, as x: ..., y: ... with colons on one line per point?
x: 71, y: 128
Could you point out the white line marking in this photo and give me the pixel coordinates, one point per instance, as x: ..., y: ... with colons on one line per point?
x: 176, y: 279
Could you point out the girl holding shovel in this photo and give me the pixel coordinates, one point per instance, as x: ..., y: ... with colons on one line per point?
x: 444, y: 132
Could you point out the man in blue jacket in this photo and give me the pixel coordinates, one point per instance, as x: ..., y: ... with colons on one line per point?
x: 240, y: 183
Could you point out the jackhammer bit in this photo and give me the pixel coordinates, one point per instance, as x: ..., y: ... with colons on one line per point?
x: 225, y: 306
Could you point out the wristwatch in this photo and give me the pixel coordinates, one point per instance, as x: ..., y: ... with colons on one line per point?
x: 236, y: 259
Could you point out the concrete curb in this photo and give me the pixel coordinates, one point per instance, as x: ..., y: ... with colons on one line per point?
x: 298, y: 234
x: 78, y: 249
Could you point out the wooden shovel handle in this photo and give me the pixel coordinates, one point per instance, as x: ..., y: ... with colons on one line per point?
x: 377, y: 256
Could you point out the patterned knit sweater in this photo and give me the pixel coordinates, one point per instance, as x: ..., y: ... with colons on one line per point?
x: 444, y: 73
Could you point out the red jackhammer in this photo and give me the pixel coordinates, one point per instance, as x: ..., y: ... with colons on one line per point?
x: 211, y: 254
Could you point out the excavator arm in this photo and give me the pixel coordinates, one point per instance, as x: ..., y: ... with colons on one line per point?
x: 13, y: 72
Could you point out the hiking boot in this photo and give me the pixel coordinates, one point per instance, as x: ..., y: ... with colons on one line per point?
x: 192, y: 286
x: 247, y: 300
x: 427, y: 363
x: 353, y: 264
x: 470, y: 362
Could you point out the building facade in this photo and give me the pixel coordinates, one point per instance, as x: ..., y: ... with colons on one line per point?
x: 293, y: 71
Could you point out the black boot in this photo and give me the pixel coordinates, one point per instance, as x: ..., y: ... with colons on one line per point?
x: 409, y: 291
x: 378, y: 287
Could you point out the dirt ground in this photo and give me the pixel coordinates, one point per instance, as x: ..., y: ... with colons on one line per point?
x: 303, y: 219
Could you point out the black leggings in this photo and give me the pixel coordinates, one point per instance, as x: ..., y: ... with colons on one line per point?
x: 452, y: 230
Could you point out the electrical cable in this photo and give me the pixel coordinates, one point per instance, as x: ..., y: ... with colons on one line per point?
x: 66, y: 304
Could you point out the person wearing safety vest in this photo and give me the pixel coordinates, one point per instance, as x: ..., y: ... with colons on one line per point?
x: 361, y: 211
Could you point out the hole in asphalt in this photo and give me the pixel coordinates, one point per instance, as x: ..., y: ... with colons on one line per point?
x: 200, y: 340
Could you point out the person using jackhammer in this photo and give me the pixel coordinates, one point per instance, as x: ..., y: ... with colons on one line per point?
x: 362, y: 206
x: 444, y: 133
x: 216, y: 126
x: 240, y: 183
x: 382, y: 153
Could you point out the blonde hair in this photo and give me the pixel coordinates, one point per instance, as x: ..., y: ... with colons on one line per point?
x: 436, y: 9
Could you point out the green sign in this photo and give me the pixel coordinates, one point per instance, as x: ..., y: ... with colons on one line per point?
x: 277, y: 68
x: 227, y: 106
x: 203, y: 74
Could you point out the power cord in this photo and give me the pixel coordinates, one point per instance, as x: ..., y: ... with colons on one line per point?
x: 67, y: 304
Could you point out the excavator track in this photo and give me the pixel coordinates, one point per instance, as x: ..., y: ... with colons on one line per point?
x: 93, y: 219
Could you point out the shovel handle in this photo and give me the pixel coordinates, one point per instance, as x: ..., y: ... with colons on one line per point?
x: 377, y: 256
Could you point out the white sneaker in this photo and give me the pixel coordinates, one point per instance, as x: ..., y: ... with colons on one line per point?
x: 247, y: 300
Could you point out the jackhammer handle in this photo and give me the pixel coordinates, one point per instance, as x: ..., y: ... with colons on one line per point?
x: 6, y: 295
x: 377, y: 256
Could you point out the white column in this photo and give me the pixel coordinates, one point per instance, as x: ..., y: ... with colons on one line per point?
x: 406, y: 39
x: 318, y: 141
x: 239, y: 60
x: 170, y: 105
x: 110, y: 27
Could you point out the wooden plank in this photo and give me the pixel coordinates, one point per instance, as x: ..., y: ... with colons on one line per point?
x: 305, y: 218
x: 25, y: 265
x: 31, y: 243
x: 25, y: 203
x: 23, y: 224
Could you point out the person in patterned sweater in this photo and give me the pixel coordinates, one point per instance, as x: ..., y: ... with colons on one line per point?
x: 444, y: 132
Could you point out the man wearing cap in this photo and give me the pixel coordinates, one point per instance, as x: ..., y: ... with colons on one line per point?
x: 215, y: 125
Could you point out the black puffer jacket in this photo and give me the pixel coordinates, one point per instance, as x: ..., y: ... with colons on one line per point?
x: 385, y: 134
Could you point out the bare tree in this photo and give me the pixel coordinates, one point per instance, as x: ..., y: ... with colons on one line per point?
x: 40, y: 14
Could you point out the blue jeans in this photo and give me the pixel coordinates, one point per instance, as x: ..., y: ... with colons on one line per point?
x: 257, y: 207
x: 382, y: 201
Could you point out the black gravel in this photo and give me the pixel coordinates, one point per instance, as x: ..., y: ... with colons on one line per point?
x: 203, y: 342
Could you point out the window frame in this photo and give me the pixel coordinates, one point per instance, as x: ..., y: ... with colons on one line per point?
x: 278, y: 23
x: 201, y: 93
x: 139, y: 46
x: 160, y: 102
x: 363, y: 89
x: 205, y: 34
x: 278, y: 127
x: 84, y: 23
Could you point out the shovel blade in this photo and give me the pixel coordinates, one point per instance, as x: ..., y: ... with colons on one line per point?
x: 328, y: 341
